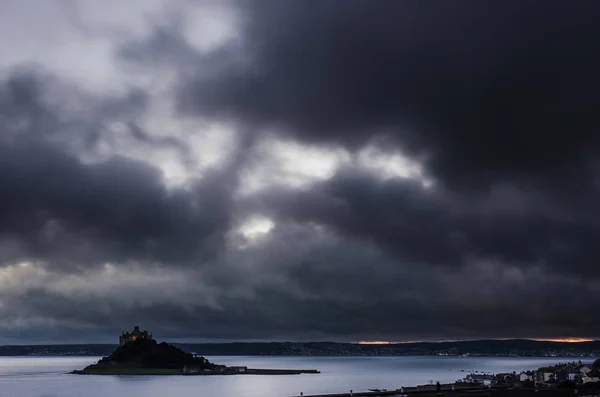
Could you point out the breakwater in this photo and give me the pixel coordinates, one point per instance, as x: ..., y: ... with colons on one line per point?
x: 249, y: 371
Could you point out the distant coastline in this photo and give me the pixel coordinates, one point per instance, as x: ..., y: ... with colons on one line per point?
x: 488, y: 348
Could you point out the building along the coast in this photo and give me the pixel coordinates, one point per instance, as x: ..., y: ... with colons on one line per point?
x: 569, y: 372
x: 527, y: 376
x: 584, y: 369
x: 591, y: 377
x: 482, y: 379
x: 505, y: 379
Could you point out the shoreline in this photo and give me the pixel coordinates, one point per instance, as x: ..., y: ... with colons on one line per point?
x: 425, y: 391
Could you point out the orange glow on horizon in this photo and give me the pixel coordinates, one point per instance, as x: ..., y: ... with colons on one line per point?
x: 374, y: 342
x: 565, y: 340
x: 384, y: 342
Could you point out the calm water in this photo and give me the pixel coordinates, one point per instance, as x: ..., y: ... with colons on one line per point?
x: 45, y: 376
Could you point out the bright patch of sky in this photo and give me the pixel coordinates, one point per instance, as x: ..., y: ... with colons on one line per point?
x: 391, y: 165
x: 289, y: 163
x: 255, y: 226
x: 298, y: 165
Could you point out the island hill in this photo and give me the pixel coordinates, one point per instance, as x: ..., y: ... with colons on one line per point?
x: 139, y: 354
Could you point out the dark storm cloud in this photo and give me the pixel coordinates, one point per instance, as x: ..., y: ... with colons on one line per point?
x: 436, y: 226
x: 494, y: 96
x: 487, y: 90
x: 306, y: 284
x: 60, y: 209
x: 120, y: 206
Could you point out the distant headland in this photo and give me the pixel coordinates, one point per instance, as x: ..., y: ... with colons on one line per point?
x: 487, y: 348
x: 139, y: 354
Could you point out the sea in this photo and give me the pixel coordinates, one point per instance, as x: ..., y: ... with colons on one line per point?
x: 48, y: 376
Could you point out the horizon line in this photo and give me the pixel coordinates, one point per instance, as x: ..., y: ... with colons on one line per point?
x: 556, y: 340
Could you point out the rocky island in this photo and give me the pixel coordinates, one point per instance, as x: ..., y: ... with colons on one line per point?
x: 147, y: 357
x: 139, y: 354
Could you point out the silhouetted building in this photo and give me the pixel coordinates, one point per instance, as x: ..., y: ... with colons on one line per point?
x: 136, y: 334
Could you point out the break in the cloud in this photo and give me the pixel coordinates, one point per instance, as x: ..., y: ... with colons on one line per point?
x: 345, y: 170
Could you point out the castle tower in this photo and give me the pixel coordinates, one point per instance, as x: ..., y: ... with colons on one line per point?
x: 136, y: 334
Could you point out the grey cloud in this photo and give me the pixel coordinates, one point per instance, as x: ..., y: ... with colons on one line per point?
x: 120, y: 207
x: 54, y: 206
x: 168, y: 141
x: 38, y: 105
x: 165, y: 48
x: 325, y: 287
x: 440, y: 227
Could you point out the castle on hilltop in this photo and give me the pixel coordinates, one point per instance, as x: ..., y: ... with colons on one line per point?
x: 127, y: 337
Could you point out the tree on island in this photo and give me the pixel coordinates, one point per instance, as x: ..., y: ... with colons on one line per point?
x: 147, y: 353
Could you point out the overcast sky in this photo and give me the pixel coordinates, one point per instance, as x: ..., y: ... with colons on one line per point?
x: 339, y: 170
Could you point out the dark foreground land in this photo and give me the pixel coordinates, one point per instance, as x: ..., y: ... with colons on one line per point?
x: 475, y: 392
